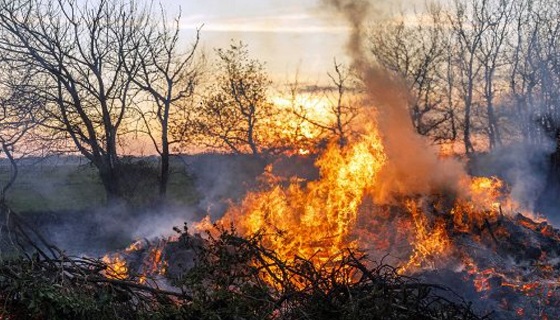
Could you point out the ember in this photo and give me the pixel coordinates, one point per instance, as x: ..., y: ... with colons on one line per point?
x: 116, y: 267
x: 143, y: 259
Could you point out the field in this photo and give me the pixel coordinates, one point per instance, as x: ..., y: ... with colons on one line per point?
x: 64, y: 198
x: 72, y: 184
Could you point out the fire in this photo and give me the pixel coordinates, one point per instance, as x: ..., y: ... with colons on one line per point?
x: 315, y: 219
x: 135, y: 246
x: 480, y: 205
x: 429, y: 243
x: 294, y: 121
x: 480, y: 278
x: 303, y: 151
x: 148, y: 261
x: 448, y: 226
x: 116, y: 267
x: 154, y: 264
x: 485, y: 192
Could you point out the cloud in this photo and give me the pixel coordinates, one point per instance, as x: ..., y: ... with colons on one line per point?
x: 282, y: 23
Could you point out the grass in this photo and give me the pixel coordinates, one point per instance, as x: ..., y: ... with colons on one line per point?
x: 54, y: 188
x: 74, y: 186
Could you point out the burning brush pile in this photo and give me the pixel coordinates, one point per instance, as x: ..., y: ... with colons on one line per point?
x: 383, y: 233
x: 368, y: 239
x: 365, y: 227
x: 459, y: 231
x: 221, y: 276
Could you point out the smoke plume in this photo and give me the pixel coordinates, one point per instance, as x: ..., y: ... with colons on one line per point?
x: 413, y: 165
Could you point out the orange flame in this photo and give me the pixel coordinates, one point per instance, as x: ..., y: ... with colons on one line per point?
x: 315, y: 219
x: 152, y: 261
x: 319, y: 219
x: 351, y: 207
x: 429, y: 242
x: 481, y: 203
x: 116, y: 267
x: 154, y: 264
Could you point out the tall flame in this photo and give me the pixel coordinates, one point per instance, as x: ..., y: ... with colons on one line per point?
x: 343, y: 209
x: 428, y: 242
x: 315, y: 219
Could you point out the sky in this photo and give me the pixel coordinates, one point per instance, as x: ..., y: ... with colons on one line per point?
x: 290, y: 36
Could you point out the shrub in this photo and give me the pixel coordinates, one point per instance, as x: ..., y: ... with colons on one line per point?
x: 138, y: 180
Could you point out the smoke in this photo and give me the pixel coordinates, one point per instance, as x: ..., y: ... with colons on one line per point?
x: 65, y: 219
x: 95, y: 232
x: 524, y: 166
x: 413, y: 165
x: 129, y: 224
x: 355, y: 13
x: 223, y: 178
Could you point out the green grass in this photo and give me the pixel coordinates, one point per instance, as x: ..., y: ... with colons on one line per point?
x: 61, y: 187
x: 54, y: 188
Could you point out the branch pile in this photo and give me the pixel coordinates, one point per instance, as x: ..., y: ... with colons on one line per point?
x: 234, y: 275
x: 219, y: 276
x: 39, y: 281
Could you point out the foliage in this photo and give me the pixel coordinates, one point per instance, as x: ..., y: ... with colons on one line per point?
x: 233, y: 114
x: 139, y: 180
x: 35, y: 290
x: 48, y: 284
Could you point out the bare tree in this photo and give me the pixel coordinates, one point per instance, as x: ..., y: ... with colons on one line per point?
x: 85, y: 60
x: 522, y: 75
x: 233, y: 115
x: 469, y: 24
x: 535, y: 83
x: 492, y: 57
x: 168, y: 76
x: 341, y: 110
x: 418, y: 54
x: 17, y: 120
x: 534, y: 78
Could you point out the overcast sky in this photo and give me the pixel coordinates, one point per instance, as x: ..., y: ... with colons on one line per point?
x: 289, y: 35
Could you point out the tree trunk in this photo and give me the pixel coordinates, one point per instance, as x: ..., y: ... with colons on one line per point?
x: 494, y: 133
x: 164, y: 174
x: 467, y: 132
x: 13, y: 175
x: 554, y: 173
x: 110, y: 180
